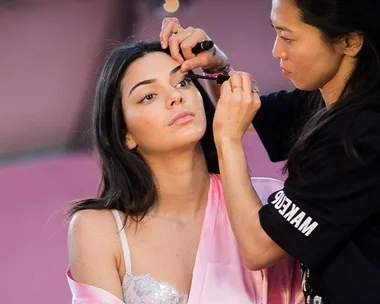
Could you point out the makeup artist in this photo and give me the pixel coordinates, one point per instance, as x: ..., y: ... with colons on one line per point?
x: 327, y: 216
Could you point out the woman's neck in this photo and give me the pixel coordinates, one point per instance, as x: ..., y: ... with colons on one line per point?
x: 182, y: 181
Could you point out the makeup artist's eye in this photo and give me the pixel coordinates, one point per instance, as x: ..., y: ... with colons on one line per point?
x: 148, y: 98
x: 286, y: 40
x: 184, y: 82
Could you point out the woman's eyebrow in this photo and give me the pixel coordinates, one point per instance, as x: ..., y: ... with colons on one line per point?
x: 175, y: 70
x: 149, y: 81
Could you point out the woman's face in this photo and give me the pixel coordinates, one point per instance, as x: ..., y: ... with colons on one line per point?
x: 162, y: 108
x: 305, y: 58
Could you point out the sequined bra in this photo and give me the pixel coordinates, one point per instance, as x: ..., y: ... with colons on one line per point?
x: 144, y: 289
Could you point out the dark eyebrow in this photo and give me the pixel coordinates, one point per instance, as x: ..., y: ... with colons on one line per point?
x: 175, y: 70
x: 281, y: 28
x: 149, y: 81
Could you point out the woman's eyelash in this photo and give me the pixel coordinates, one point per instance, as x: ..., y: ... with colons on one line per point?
x: 147, y: 97
x: 187, y: 80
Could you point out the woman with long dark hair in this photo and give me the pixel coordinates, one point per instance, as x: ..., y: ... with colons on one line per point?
x: 158, y: 232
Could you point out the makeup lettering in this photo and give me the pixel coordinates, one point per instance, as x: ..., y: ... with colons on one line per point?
x: 293, y: 214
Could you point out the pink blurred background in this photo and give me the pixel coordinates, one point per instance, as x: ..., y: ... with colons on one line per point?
x: 50, y: 55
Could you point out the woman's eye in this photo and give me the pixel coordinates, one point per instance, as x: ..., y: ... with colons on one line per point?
x: 148, y: 97
x: 185, y: 82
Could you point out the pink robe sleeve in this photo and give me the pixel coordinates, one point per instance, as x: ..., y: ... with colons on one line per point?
x: 87, y: 294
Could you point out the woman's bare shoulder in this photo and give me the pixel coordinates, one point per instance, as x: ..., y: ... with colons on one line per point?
x: 94, y: 249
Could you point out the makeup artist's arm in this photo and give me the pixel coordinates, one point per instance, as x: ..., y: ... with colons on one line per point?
x: 235, y: 110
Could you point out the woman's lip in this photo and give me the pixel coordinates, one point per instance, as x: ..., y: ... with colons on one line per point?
x: 183, y: 120
x: 181, y: 117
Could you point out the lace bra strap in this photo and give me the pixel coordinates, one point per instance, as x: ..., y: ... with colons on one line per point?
x: 124, y: 242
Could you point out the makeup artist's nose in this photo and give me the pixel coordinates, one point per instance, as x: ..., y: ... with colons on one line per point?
x: 175, y: 99
x: 278, y: 51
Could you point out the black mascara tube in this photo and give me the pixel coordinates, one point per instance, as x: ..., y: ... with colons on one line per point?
x: 202, y: 46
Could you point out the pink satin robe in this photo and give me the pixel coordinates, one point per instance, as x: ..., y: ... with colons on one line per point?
x: 219, y: 275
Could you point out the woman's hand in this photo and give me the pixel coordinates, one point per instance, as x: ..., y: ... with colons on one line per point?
x: 236, y: 108
x: 181, y: 40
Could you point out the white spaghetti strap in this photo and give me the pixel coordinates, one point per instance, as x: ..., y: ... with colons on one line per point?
x: 124, y: 242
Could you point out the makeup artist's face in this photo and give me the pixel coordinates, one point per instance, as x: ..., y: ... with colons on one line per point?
x: 305, y: 58
x: 162, y: 108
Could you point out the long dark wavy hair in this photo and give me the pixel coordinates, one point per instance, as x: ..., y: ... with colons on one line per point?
x: 127, y: 181
x: 336, y: 19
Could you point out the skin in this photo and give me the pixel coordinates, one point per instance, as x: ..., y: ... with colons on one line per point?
x: 310, y: 62
x: 176, y: 158
x: 306, y: 58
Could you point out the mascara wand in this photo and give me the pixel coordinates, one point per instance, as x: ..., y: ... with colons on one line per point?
x: 219, y: 79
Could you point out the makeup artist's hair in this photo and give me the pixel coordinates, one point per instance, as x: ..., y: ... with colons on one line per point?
x: 127, y: 180
x: 335, y: 19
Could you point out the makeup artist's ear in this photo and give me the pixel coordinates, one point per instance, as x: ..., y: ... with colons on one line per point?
x: 352, y: 44
x: 130, y: 142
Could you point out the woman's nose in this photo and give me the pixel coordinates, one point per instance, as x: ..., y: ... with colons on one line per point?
x: 175, y: 99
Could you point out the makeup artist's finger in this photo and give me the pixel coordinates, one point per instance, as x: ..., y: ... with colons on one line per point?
x: 170, y: 25
x: 196, y: 62
x: 255, y: 87
x: 178, y: 42
x: 175, y: 49
x: 246, y: 80
x: 250, y: 99
x: 255, y: 95
x: 225, y: 92
x: 189, y: 64
x: 188, y: 43
x: 195, y: 36
x: 236, y: 85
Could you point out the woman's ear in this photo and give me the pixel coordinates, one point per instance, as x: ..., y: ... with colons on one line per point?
x: 130, y: 142
x: 353, y: 43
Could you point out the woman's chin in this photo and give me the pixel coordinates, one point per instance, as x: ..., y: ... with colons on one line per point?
x: 190, y: 133
x: 188, y: 141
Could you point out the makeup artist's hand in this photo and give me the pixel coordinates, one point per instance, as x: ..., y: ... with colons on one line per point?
x: 180, y: 40
x: 236, y: 108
